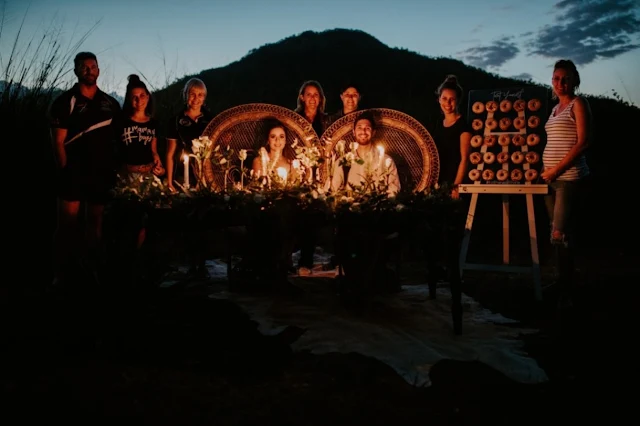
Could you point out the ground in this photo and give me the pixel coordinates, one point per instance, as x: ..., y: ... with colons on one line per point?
x: 102, y: 355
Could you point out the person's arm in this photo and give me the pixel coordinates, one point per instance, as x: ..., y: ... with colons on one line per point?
x: 465, y: 150
x: 171, y: 150
x: 60, y: 154
x: 394, y: 179
x: 154, y: 150
x: 337, y: 180
x: 582, y: 115
x: 256, y: 166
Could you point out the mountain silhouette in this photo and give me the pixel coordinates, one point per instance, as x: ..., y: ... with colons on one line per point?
x: 400, y: 79
x: 387, y: 77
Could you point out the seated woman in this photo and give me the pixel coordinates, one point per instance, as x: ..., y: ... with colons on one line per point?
x: 267, y: 252
x: 275, y: 151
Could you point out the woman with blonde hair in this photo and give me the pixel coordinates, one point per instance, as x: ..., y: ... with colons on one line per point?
x: 311, y: 103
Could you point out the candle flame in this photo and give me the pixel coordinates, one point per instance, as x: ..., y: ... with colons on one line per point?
x: 282, y: 173
x: 295, y: 164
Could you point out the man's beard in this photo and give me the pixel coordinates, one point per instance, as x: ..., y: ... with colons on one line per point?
x: 89, y: 80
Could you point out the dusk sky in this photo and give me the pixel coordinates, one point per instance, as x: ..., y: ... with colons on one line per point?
x: 164, y: 40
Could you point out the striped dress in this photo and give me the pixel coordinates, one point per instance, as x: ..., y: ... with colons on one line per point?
x: 561, y: 137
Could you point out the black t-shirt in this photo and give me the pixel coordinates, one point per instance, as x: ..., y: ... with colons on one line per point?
x: 447, y: 141
x: 91, y: 126
x: 185, y: 129
x: 135, y: 141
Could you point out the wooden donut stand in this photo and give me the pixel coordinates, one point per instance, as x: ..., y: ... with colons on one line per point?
x: 508, y: 188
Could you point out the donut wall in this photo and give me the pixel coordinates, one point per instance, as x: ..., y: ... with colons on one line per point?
x: 508, y: 132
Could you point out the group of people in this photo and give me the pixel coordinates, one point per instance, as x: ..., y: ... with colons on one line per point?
x: 87, y: 124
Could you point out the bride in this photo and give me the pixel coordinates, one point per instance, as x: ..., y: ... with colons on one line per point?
x: 275, y: 151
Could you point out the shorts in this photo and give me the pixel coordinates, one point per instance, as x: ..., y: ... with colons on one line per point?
x: 94, y: 187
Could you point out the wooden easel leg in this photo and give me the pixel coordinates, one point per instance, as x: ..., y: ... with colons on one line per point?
x: 467, y: 234
x: 505, y: 229
x: 535, y: 259
x: 455, y: 284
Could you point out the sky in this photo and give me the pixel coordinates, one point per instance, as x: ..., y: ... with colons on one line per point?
x: 163, y: 40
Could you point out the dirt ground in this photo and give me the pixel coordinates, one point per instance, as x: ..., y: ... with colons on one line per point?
x: 101, y: 355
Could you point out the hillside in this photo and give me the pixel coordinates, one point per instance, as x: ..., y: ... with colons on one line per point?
x: 406, y: 81
x: 389, y: 77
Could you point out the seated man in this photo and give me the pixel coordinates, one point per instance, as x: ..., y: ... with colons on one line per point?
x: 369, y: 168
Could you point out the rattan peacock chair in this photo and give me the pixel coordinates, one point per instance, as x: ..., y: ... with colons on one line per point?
x: 406, y: 140
x: 243, y: 127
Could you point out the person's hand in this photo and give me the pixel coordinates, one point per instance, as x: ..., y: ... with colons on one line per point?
x: 455, y: 193
x: 549, y: 175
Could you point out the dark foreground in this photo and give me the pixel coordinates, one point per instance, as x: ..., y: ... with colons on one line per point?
x: 173, y: 356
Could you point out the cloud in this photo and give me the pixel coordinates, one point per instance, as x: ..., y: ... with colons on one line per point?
x: 587, y: 30
x: 493, y: 55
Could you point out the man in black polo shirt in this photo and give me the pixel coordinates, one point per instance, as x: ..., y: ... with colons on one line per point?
x: 83, y: 131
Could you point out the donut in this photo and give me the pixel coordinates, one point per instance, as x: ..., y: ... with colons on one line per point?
x: 533, y: 139
x: 491, y: 124
x: 488, y: 174
x: 502, y: 157
x: 518, y: 140
x: 530, y: 175
x: 489, y: 140
x: 489, y: 157
x: 505, y: 105
x: 517, y: 157
x: 475, y: 158
x: 504, y: 123
x: 476, y: 141
x: 477, y: 108
x: 519, y: 123
x: 502, y: 175
x: 519, y: 105
x: 492, y: 106
x: 476, y: 124
x: 504, y: 140
x: 533, y: 121
x: 516, y: 175
x: 474, y: 174
x: 531, y: 157
x: 534, y: 104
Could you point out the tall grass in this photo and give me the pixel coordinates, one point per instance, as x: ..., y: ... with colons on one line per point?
x: 34, y: 70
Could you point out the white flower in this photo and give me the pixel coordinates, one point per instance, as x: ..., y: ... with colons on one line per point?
x: 222, y: 161
x: 242, y: 154
x: 387, y: 162
x: 350, y: 157
x: 196, y: 144
x: 399, y: 207
x: 340, y: 146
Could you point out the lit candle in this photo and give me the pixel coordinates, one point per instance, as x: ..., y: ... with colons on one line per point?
x: 282, y: 173
x: 387, y: 163
x: 186, y: 170
x: 380, y: 152
x: 296, y: 166
x: 264, y: 157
